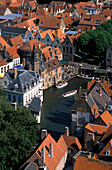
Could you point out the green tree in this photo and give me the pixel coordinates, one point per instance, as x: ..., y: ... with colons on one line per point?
x: 18, y: 134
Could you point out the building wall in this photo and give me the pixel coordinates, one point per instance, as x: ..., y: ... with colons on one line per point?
x: 49, y: 78
x: 62, y: 161
x: 109, y: 56
x: 5, y: 68
x: 68, y: 50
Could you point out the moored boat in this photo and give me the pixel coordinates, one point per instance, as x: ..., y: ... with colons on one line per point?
x: 61, y: 85
x: 85, y: 77
x: 70, y: 93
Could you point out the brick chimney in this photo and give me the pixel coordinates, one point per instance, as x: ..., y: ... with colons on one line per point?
x: 43, y: 133
x: 66, y: 131
x: 15, y: 73
x: 50, y: 150
x: 42, y: 156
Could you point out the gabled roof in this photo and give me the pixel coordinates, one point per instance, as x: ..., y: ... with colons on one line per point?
x: 52, y: 64
x: 29, y: 45
x: 107, y: 147
x: 84, y: 163
x: 107, y: 134
x: 49, y: 22
x: 96, y: 128
x: 13, y: 52
x: 71, y: 141
x: 107, y: 118
x: 93, y: 20
x: 16, y: 41
x: 59, y: 150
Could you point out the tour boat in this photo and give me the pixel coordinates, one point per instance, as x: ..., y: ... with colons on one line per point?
x: 61, y: 85
x: 85, y: 77
x: 70, y: 93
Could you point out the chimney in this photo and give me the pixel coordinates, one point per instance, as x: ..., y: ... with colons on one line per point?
x: 24, y: 62
x: 108, y: 82
x: 42, y: 156
x: 66, y: 131
x: 85, y: 95
x: 50, y: 150
x: 43, y: 133
x: 15, y: 73
x: 100, y: 91
x: 80, y: 90
x: 97, y: 82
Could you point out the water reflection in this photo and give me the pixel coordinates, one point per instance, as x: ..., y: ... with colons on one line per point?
x: 56, y: 110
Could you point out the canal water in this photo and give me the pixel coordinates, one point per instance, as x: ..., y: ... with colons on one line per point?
x: 56, y: 110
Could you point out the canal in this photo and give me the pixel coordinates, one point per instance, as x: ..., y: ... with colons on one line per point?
x: 56, y: 110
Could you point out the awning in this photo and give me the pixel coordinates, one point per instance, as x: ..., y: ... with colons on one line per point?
x: 17, y: 66
x: 62, y: 61
x: 2, y: 75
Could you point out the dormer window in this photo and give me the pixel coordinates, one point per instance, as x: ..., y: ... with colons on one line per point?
x: 107, y: 152
x: 57, y: 24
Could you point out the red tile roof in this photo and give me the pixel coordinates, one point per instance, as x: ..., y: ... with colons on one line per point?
x: 84, y: 163
x: 59, y: 150
x: 93, y: 128
x: 107, y: 147
x: 107, y: 134
x: 71, y: 140
x: 107, y: 118
x: 52, y: 64
x: 2, y: 62
x: 13, y: 52
x: 29, y: 45
x: 17, y: 41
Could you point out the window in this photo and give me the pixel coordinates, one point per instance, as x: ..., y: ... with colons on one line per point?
x: 63, y: 49
x: 2, y: 70
x: 47, y: 40
x: 109, y: 55
x: 108, y: 152
x: 19, y: 99
x: 41, y: 22
x: 57, y: 24
x: 70, y: 50
x: 9, y: 97
x: 38, y: 38
x: 97, y: 22
x: 14, y: 98
x: 67, y: 42
x: 67, y: 49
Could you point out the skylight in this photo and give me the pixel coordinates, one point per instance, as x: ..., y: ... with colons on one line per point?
x: 41, y: 22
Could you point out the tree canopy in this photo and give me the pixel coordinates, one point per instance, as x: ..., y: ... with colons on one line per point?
x: 95, y: 42
x: 18, y: 133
